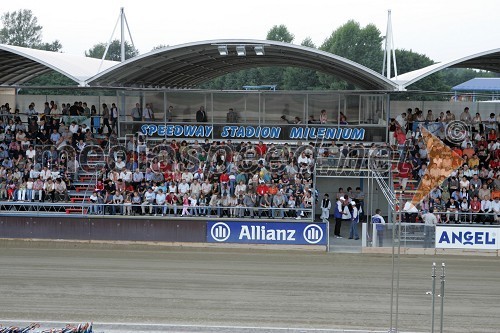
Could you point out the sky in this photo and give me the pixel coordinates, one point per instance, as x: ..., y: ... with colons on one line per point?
x: 441, y: 29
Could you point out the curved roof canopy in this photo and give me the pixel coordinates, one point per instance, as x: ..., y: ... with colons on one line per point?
x: 487, y: 60
x: 187, y: 65
x: 20, y: 64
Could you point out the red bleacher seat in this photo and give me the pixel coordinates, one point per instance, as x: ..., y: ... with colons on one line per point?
x: 75, y: 210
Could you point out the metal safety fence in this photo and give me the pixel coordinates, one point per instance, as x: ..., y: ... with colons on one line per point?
x: 151, y: 209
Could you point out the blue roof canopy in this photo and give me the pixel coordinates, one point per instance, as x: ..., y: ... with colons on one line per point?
x: 479, y: 84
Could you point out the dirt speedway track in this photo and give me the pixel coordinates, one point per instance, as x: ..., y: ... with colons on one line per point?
x: 192, y: 286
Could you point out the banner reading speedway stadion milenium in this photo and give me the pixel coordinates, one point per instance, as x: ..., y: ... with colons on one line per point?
x: 254, y: 132
x: 282, y: 233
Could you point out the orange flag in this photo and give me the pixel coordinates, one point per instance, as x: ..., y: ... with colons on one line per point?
x: 443, y: 161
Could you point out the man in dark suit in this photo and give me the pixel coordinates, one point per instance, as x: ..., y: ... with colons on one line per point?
x: 201, y: 115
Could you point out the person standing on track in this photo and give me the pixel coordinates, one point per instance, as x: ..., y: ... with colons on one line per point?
x: 326, y: 205
x: 353, y: 233
x: 430, y: 221
x: 379, y: 221
x: 337, y: 213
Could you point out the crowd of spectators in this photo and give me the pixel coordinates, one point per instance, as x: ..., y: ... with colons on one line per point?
x: 40, y: 160
x: 224, y: 179
x: 33, y: 162
x: 470, y: 193
x: 239, y: 179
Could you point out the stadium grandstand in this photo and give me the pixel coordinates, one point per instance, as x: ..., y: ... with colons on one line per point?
x: 254, y: 154
x: 53, y: 156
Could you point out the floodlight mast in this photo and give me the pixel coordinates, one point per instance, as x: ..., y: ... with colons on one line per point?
x: 123, y: 22
x: 122, y: 39
x: 389, y: 50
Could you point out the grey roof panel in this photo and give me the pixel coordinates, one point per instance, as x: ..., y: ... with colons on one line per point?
x: 487, y: 60
x: 20, y: 64
x: 187, y: 65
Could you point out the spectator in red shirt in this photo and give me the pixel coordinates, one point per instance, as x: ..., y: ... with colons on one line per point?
x: 469, y: 151
x: 164, y: 166
x: 475, y: 208
x: 404, y: 169
x: 262, y: 189
x: 99, y: 186
x: 168, y: 176
x: 492, y: 135
x: 175, y: 146
x: 458, y: 151
x: 261, y: 148
x: 495, y: 163
x: 224, y: 178
x: 171, y: 201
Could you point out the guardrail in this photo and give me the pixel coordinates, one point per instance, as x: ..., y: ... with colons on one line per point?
x: 146, y: 208
x: 453, y: 217
x: 413, y: 235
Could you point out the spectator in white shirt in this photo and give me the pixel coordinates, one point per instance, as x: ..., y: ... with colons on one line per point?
x: 55, y: 136
x: 119, y: 164
x: 466, y: 142
x: 137, y: 177
x: 486, y: 209
x: 30, y: 153
x: 401, y: 121
x: 45, y: 174
x: 379, y: 221
x: 172, y: 187
x: 73, y: 128
x: 188, y: 176
x: 126, y: 175
x: 303, y: 159
x: 94, y: 208
x: 495, y: 207
x: 195, y: 188
x: 160, y: 202
x: 147, y: 113
x: 183, y: 187
x: 193, y: 201
x: 149, y: 200
x: 410, y: 212
x: 430, y: 221
x: 206, y: 187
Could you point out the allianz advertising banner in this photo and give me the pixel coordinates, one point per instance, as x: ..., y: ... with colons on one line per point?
x: 474, y: 238
x: 284, y: 233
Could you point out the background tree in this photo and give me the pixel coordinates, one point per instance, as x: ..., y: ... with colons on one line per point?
x: 20, y: 28
x: 55, y: 46
x: 275, y: 75
x: 114, y: 51
x: 52, y: 79
x: 351, y: 41
x: 408, y: 61
x: 280, y: 33
x: 455, y: 76
x: 159, y: 46
x: 295, y: 78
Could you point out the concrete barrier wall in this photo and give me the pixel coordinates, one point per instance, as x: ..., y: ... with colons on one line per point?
x: 76, y: 228
x: 431, y: 251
